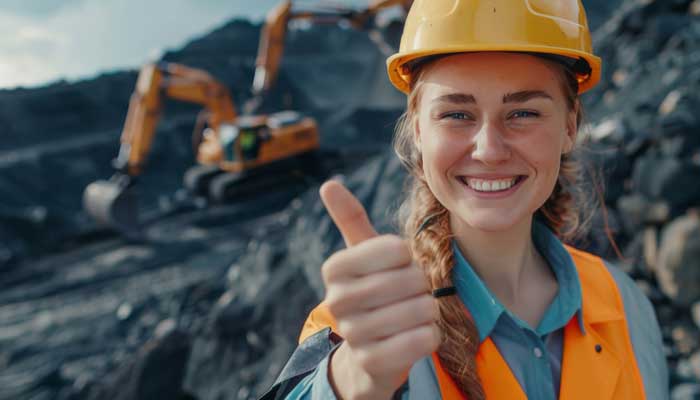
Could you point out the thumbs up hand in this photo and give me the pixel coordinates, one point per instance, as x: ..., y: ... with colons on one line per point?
x: 380, y: 299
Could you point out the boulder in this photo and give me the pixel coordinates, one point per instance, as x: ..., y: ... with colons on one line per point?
x: 678, y: 269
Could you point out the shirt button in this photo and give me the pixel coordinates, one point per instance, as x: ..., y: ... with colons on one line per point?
x: 537, y: 352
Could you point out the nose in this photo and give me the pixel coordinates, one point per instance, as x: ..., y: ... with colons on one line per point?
x: 489, y: 145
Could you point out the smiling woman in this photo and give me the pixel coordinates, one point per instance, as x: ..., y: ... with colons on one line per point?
x: 514, y: 130
x: 488, y: 136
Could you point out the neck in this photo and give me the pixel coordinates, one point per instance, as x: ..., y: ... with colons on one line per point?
x: 502, y: 259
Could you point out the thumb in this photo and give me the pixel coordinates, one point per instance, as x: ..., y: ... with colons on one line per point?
x: 347, y: 213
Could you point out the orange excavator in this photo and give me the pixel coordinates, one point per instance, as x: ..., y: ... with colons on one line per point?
x: 235, y: 153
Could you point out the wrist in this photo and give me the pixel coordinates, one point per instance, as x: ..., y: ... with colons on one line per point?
x: 338, y: 372
x: 350, y: 382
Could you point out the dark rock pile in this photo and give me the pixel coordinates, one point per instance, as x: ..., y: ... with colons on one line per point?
x: 85, y: 314
x: 645, y: 119
x: 210, y: 306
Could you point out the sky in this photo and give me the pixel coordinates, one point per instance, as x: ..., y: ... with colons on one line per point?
x: 46, y: 40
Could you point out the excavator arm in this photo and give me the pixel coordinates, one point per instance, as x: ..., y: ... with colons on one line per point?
x: 376, y: 5
x: 114, y: 202
x: 361, y: 19
x: 271, y: 46
x: 174, y: 81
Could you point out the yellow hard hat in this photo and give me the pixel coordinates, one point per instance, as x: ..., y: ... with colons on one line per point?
x: 553, y: 28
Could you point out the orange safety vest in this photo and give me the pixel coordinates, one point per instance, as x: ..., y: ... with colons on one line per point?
x: 599, y: 364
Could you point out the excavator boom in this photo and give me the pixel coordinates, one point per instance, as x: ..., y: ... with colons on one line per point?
x: 271, y: 46
x: 173, y: 81
x: 114, y: 202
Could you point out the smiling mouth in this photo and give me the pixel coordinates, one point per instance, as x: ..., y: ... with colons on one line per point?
x: 491, y: 185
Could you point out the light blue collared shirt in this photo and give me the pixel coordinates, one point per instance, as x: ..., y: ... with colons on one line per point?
x: 533, y: 354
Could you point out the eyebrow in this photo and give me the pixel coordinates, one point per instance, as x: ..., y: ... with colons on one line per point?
x: 517, y: 97
x: 525, y: 95
x: 455, y: 98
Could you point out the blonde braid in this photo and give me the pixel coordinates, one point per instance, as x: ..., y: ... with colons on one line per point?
x: 432, y: 249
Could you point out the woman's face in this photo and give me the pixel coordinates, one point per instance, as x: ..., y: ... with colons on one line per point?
x: 491, y: 130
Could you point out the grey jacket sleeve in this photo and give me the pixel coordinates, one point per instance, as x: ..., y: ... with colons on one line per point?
x: 303, y: 362
x: 305, y: 376
x: 315, y: 386
x: 645, y: 335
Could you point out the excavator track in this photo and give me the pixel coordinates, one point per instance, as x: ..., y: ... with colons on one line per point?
x: 283, y: 175
x: 198, y: 178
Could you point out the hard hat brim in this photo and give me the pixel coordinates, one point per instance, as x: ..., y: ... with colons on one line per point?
x: 401, y: 79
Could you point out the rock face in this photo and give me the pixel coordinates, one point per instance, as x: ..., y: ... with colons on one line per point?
x: 678, y: 270
x: 210, y: 305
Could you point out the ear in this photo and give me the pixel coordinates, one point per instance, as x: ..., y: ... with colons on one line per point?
x: 571, y: 132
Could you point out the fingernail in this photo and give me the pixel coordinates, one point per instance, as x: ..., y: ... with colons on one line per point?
x: 340, y: 178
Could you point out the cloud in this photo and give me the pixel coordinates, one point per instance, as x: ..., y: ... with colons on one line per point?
x: 27, y: 50
x: 84, y: 37
x: 35, y: 9
x: 71, y: 39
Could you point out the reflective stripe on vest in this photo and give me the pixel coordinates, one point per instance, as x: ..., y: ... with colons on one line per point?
x: 599, y: 364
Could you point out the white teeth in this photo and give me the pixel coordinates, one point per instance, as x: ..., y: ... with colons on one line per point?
x: 483, y: 185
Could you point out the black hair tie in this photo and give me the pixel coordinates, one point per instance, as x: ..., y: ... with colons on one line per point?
x: 427, y: 222
x: 445, y: 291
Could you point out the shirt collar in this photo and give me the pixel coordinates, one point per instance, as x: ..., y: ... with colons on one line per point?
x: 569, y: 299
x: 486, y: 309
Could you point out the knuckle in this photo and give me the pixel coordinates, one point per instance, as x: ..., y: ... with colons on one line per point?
x: 327, y: 273
x: 417, y: 272
x: 426, y: 339
x: 345, y: 330
x: 423, y: 341
x: 330, y: 268
x: 350, y: 331
x: 397, y: 246
x: 436, y: 336
x: 418, y: 278
x: 335, y: 302
x: 364, y: 292
x: 427, y: 307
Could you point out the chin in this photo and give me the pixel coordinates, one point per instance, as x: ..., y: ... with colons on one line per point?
x: 495, y: 220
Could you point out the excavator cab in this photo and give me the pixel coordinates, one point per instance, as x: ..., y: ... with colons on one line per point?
x: 242, y: 142
x: 250, y: 144
x: 253, y: 131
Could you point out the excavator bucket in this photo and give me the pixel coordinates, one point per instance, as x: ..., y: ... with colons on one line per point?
x: 114, y: 203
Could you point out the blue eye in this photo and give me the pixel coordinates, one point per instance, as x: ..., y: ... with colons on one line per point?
x: 456, y: 115
x: 524, y: 114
